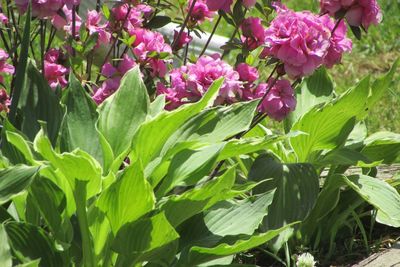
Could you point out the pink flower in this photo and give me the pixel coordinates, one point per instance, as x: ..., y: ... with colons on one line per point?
x: 113, y: 75
x: 299, y: 39
x: 280, y: 99
x: 215, y: 5
x: 200, y: 12
x: 40, y: 8
x: 249, y: 3
x: 184, y: 39
x: 247, y: 73
x: 133, y: 19
x: 3, y: 18
x: 189, y: 83
x: 253, y: 33
x: 52, y: 55
x: 54, y: 72
x: 4, y: 100
x: 358, y: 12
x: 339, y: 42
x: 93, y: 26
x: 4, y: 66
x: 65, y: 22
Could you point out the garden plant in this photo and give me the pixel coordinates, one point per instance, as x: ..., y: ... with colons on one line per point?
x: 120, y: 146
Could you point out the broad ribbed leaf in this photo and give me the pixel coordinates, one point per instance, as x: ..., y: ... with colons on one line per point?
x: 5, y: 251
x: 382, y: 146
x: 348, y: 157
x: 379, y: 194
x: 328, y: 126
x: 153, y: 134
x: 123, y: 113
x: 78, y: 129
x: 127, y: 199
x: 14, y: 180
x: 30, y: 242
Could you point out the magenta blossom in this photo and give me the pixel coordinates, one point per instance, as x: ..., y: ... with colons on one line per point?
x: 184, y: 39
x: 279, y: 101
x: 200, y: 12
x: 253, y: 33
x: 3, y: 18
x: 54, y: 72
x: 339, y: 42
x: 113, y: 75
x: 358, y: 12
x: 189, y: 83
x: 216, y: 5
x: 247, y: 74
x: 4, y: 66
x: 249, y: 3
x: 299, y: 39
x: 40, y: 8
x: 135, y: 18
x: 64, y: 22
x: 93, y: 25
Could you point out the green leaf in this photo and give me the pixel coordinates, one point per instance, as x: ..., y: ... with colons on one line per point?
x: 14, y: 180
x: 123, y: 113
x: 21, y: 71
x: 188, y: 167
x: 131, y: 187
x: 19, y: 142
x: 39, y: 103
x: 78, y: 129
x: 179, y: 208
x: 158, y: 22
x: 157, y: 106
x: 297, y: 188
x: 379, y: 194
x: 29, y: 242
x: 328, y: 126
x: 5, y: 251
x: 382, y: 146
x: 199, y: 255
x: 347, y: 157
x: 315, y: 89
x: 153, y: 134
x: 144, y: 235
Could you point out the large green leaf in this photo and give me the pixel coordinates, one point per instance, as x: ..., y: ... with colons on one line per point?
x: 123, y: 113
x: 199, y: 255
x: 314, y: 90
x: 127, y: 199
x: 188, y: 167
x: 78, y: 129
x: 347, y: 157
x: 328, y: 126
x: 382, y: 146
x: 14, y: 180
x: 15, y: 153
x: 29, y: 242
x: 379, y: 194
x: 5, y: 251
x: 297, y: 188
x: 39, y: 103
x: 153, y: 134
x: 144, y: 235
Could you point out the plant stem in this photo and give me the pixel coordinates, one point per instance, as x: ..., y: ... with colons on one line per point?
x: 211, y: 36
x: 178, y: 37
x: 98, y: 5
x: 42, y: 43
x: 336, y: 25
x: 73, y: 28
x: 80, y: 199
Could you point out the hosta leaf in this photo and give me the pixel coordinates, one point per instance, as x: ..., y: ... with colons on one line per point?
x: 328, y: 126
x: 382, y: 146
x: 31, y: 242
x: 379, y: 194
x: 348, y: 157
x: 22, y: 145
x: 123, y: 113
x: 14, y: 180
x: 153, y: 134
x: 130, y: 189
x: 78, y: 129
x: 5, y: 251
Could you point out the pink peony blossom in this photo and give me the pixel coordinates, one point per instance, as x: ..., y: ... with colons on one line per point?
x: 249, y: 3
x: 189, y: 83
x: 40, y: 8
x: 200, y: 12
x: 253, y: 33
x: 215, y: 5
x: 358, y: 12
x: 280, y: 99
x: 339, y: 42
x: 93, y: 25
x: 113, y: 75
x: 299, y: 39
x: 247, y: 73
x: 184, y: 39
x: 4, y: 66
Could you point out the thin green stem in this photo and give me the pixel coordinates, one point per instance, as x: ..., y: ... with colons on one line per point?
x: 211, y: 36
x: 80, y: 199
x: 176, y: 40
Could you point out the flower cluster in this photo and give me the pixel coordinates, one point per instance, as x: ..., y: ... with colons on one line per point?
x: 44, y: 8
x: 357, y: 12
x: 54, y: 72
x: 5, y: 68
